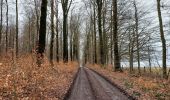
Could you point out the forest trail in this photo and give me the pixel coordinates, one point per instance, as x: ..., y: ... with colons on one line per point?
x: 89, y: 85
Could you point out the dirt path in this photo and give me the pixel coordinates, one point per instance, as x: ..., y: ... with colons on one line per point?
x: 91, y: 86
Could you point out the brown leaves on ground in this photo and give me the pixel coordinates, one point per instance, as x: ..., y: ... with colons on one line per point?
x: 22, y: 79
x: 141, y: 87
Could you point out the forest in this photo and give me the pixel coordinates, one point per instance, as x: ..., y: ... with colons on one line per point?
x: 84, y: 50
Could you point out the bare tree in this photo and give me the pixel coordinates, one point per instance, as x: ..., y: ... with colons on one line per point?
x: 99, y: 10
x: 162, y: 39
x: 137, y: 35
x: 115, y: 38
x: 52, y: 32
x: 131, y: 49
x: 95, y: 33
x: 37, y: 16
x: 42, y: 31
x: 7, y: 26
x: 1, y: 24
x: 16, y: 29
x: 57, y: 33
x: 65, y: 6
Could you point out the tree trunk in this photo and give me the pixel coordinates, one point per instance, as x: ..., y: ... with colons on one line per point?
x: 76, y: 50
x: 131, y: 59
x: 131, y: 47
x: 99, y: 8
x: 65, y: 7
x: 57, y: 34
x: 95, y: 44
x: 7, y: 26
x: 149, y: 59
x: 16, y: 28
x: 61, y: 44
x: 137, y: 36
x: 52, y: 32
x: 71, y: 37
x: 104, y: 32
x: 30, y: 47
x: 42, y: 31
x: 111, y: 35
x: 115, y: 38
x: 162, y: 39
x: 65, y: 38
x: 1, y: 25
x: 71, y: 47
x: 37, y: 21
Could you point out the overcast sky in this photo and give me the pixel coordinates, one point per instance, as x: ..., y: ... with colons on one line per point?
x: 78, y: 4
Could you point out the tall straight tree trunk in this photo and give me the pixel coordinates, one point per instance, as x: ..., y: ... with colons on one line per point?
x: 162, y: 39
x: 30, y: 48
x: 149, y: 59
x: 71, y: 47
x: 29, y: 34
x: 1, y: 25
x: 71, y: 38
x: 52, y: 32
x: 7, y: 26
x: 131, y: 48
x: 149, y: 56
x: 65, y: 6
x: 61, y: 44
x: 115, y: 38
x: 42, y: 31
x: 65, y: 39
x: 131, y: 58
x: 92, y: 34
x: 95, y: 42
x: 137, y: 36
x: 104, y: 32
x: 16, y: 29
x: 88, y: 47
x: 111, y: 33
x: 57, y: 33
x: 99, y: 8
x: 37, y: 16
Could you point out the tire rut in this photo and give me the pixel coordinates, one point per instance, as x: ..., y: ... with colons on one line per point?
x: 81, y: 89
x: 104, y: 90
x: 89, y: 85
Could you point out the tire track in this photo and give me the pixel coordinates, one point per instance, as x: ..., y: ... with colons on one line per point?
x: 90, y: 85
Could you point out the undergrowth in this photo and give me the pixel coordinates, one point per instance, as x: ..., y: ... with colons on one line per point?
x: 142, y: 87
x: 22, y: 79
